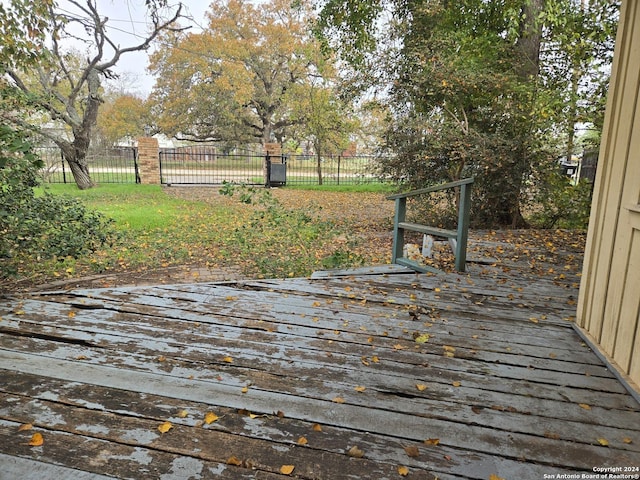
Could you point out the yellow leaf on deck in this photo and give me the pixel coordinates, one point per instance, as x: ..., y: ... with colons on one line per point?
x: 421, y: 387
x: 448, y: 348
x: 245, y: 389
x: 493, y: 476
x: 36, y: 440
x: 234, y: 461
x: 432, y: 441
x: 227, y: 359
x: 230, y: 298
x: 627, y: 440
x: 287, y: 469
x: 25, y: 426
x: 360, y: 388
x: 71, y: 314
x: 317, y: 427
x: 315, y: 304
x: 165, y: 427
x: 603, y: 441
x: 183, y: 414
x: 210, y: 417
x: 302, y: 441
x: 338, y: 400
x: 456, y: 384
x: 355, y: 452
x: 375, y: 359
x: 585, y: 406
x: 424, y: 338
x: 403, y: 471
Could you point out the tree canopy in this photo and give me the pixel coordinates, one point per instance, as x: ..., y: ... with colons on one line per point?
x: 489, y: 89
x: 235, y: 80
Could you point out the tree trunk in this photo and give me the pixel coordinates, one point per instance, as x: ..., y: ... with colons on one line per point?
x: 76, y: 157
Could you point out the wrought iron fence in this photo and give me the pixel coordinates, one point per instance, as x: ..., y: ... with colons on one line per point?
x: 106, y: 165
x: 209, y: 165
x: 331, y: 169
x: 206, y: 164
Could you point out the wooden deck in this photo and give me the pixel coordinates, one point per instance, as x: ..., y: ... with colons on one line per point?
x: 360, y: 376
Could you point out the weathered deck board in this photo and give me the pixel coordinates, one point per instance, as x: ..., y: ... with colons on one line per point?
x: 511, y: 389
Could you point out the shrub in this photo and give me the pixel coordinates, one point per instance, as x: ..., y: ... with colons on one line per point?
x: 36, y: 228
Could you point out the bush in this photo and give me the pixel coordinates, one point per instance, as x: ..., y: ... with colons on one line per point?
x: 37, y: 228
x: 562, y: 204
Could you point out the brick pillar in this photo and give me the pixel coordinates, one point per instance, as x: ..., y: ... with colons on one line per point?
x: 149, y: 160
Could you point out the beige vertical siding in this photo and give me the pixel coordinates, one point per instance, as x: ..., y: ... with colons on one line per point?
x: 609, y: 304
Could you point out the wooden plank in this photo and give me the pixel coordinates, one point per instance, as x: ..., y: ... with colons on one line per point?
x: 445, y: 461
x: 14, y: 467
x: 460, y: 364
x: 383, y: 389
x: 120, y: 460
x: 438, y: 232
x: 326, y: 412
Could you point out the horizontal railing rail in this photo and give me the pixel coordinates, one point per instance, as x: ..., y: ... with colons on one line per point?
x: 459, y: 236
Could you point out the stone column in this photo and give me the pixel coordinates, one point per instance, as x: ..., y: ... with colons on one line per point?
x: 149, y: 161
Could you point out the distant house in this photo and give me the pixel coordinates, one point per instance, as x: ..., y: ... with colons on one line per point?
x: 609, y: 302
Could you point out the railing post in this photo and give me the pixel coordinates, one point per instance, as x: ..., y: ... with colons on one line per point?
x: 398, y: 233
x: 463, y: 227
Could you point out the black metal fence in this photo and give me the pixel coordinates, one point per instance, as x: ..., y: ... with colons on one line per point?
x: 208, y: 165
x: 106, y: 165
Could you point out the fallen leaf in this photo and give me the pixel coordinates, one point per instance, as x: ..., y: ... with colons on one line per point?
x: 421, y: 387
x: 162, y: 358
x: 355, y: 452
x: 338, y: 400
x: 234, y: 461
x: 245, y: 389
x: 585, y: 406
x: 25, y: 426
x: 36, y: 440
x: 183, y: 414
x: 302, y: 441
x: 375, y: 359
x: 165, y: 427
x: 360, y: 388
x: 448, y: 348
x: 287, y: 469
x: 424, y: 338
x: 456, y: 384
x: 210, y: 417
x: 412, y: 451
x: 603, y: 442
x: 399, y: 347
x: 280, y: 414
x: 432, y: 441
x: 403, y: 471
x: 227, y: 359
x: 81, y: 357
x: 627, y: 440
x: 230, y: 298
x: 71, y: 314
x: 316, y: 427
x: 493, y: 476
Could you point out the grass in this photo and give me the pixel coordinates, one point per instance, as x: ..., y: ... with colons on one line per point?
x: 156, y: 230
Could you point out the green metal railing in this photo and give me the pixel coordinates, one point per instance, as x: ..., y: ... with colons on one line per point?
x: 459, y: 236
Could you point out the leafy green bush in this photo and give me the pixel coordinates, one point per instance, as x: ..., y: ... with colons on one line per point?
x: 284, y: 243
x: 36, y: 228
x: 562, y: 204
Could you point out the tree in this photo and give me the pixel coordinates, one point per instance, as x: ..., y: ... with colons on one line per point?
x: 67, y: 87
x: 469, y: 92
x: 234, y: 81
x: 123, y: 116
